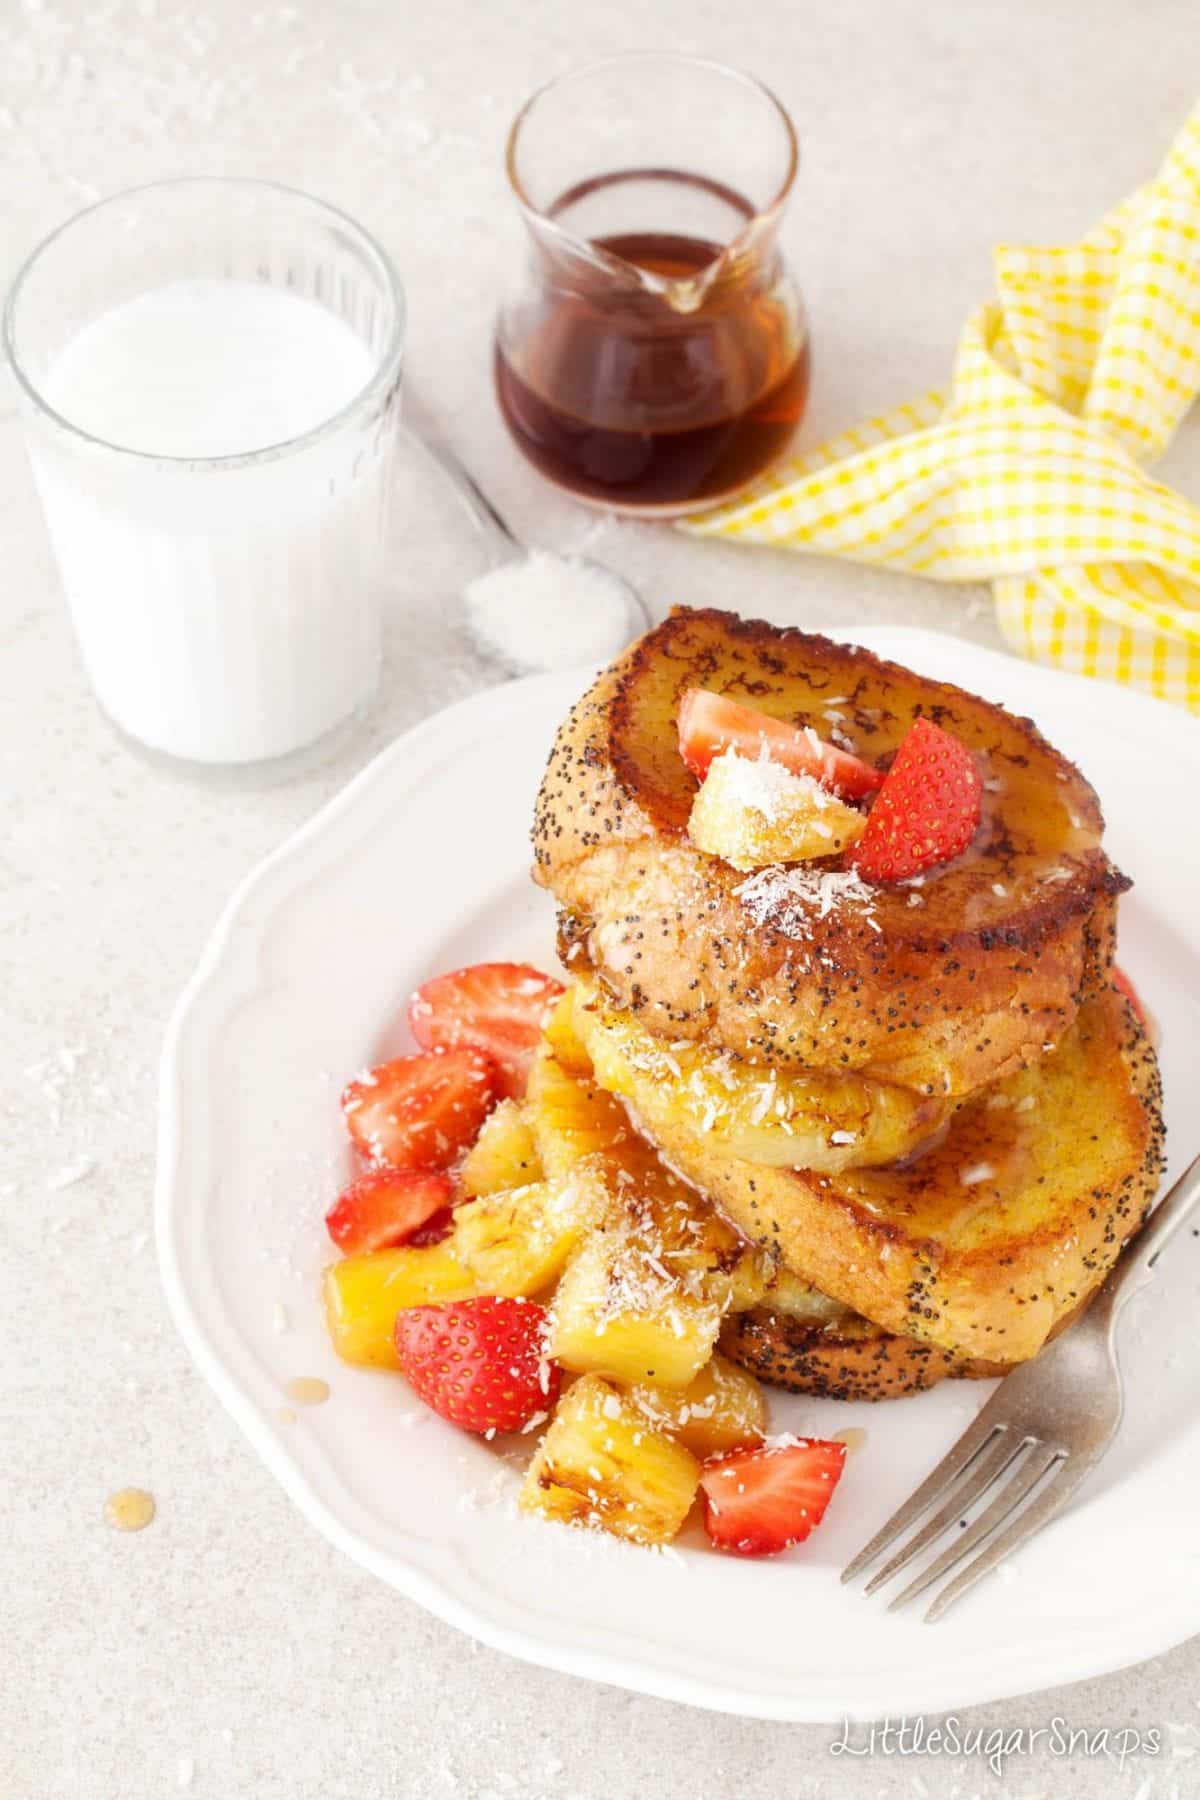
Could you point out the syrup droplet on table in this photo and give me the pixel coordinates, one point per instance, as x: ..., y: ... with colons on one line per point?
x: 129, y: 1509
x: 307, y: 1390
x: 854, y: 1437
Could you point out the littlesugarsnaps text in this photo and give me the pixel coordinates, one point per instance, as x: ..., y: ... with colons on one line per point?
x: 994, y: 1744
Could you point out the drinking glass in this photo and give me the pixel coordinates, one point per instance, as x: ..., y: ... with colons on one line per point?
x: 227, y: 604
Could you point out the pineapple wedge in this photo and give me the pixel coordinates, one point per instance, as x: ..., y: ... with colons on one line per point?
x: 797, y: 1299
x: 616, y: 1314
x: 721, y: 1409
x: 503, y: 1156
x: 643, y: 1297
x: 707, y: 1253
x: 754, y: 812
x: 602, y: 1463
x: 517, y: 1243
x: 781, y: 1118
x: 364, y: 1293
x: 561, y: 1036
x: 570, y: 1115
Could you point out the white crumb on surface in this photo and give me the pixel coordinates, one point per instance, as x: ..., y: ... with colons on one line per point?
x: 72, y: 1173
x: 545, y: 611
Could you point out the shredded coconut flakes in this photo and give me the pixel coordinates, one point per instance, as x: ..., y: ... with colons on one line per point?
x: 767, y: 788
x: 790, y: 899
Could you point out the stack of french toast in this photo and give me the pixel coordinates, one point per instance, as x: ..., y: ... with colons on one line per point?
x: 841, y: 945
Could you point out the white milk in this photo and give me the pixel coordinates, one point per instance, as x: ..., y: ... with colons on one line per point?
x: 226, y: 613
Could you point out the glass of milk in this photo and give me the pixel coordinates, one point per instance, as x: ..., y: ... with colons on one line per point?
x: 210, y: 376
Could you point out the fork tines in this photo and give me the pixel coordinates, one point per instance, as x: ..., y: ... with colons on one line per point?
x: 989, y: 1459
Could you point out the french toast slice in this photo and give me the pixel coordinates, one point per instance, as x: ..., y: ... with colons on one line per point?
x: 846, y: 1358
x: 942, y: 984
x: 801, y: 1340
x: 983, y: 1243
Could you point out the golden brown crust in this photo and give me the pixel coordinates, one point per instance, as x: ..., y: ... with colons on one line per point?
x: 992, y: 1236
x: 850, y: 1359
x: 942, y: 987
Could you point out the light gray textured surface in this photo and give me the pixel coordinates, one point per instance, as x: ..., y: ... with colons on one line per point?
x: 227, y: 1650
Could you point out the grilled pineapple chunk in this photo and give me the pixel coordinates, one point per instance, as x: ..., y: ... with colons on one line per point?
x: 364, y: 1293
x: 709, y: 1253
x: 622, y: 1311
x: 504, y: 1155
x: 752, y: 812
x: 602, y: 1463
x: 560, y: 1034
x: 571, y: 1116
x: 722, y: 1408
x: 517, y: 1243
x: 797, y: 1299
x: 782, y: 1118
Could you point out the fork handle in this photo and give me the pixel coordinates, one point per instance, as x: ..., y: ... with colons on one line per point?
x: 1135, y: 1266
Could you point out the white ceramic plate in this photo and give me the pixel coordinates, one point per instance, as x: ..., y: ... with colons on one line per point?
x: 421, y: 865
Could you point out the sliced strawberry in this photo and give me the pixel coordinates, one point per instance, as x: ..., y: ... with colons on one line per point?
x: 481, y: 1364
x: 385, y: 1207
x: 495, y: 1007
x: 927, y: 810
x: 421, y: 1112
x: 759, y: 1501
x: 710, y: 723
x: 435, y: 1230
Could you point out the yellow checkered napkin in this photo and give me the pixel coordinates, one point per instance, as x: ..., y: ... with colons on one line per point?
x: 1032, y: 474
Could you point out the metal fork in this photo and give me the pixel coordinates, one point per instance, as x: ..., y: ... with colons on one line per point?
x: 1045, y: 1428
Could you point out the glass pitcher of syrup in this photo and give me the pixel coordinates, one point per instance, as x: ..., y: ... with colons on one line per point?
x: 656, y: 358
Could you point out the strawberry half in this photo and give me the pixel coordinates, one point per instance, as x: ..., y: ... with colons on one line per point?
x: 495, y: 1007
x: 385, y: 1207
x: 757, y: 1502
x: 481, y: 1364
x: 927, y: 810
x: 421, y: 1112
x: 710, y: 723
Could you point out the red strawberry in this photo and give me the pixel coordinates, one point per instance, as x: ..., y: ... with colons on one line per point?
x: 435, y: 1230
x: 385, y: 1207
x: 479, y: 1363
x: 927, y: 810
x: 495, y: 1007
x: 710, y: 723
x: 420, y: 1112
x: 757, y: 1502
